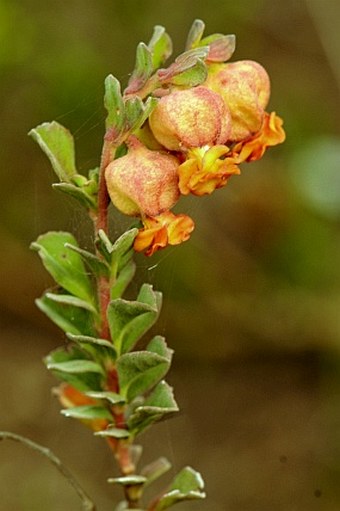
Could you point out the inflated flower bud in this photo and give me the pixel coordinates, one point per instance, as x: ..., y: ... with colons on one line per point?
x: 143, y: 182
x: 245, y: 88
x: 191, y: 118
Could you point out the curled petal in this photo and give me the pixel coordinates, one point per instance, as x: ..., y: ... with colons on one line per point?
x: 270, y: 134
x: 205, y: 170
x: 165, y: 229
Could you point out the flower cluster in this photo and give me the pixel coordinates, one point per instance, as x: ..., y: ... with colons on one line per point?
x: 193, y: 141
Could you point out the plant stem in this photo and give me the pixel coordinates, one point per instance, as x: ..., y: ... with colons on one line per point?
x: 87, y: 504
x: 101, y: 223
x: 121, y: 450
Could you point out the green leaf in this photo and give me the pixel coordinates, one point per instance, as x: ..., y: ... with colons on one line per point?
x: 124, y: 278
x: 112, y: 397
x: 96, y: 265
x: 104, y: 245
x: 65, y: 265
x: 132, y: 480
x: 88, y: 412
x: 77, y: 193
x: 57, y: 143
x: 134, y: 110
x: 188, y: 69
x: 123, y: 244
x: 160, y: 46
x: 187, y: 485
x: 137, y: 112
x: 156, y: 469
x: 76, y: 367
x: 143, y: 69
x: 162, y: 397
x: 85, y: 339
x: 115, y: 253
x: 150, y: 297
x: 221, y: 47
x: 139, y: 371
x: 98, y: 348
x: 81, y: 381
x: 113, y: 432
x: 70, y: 319
x: 196, y: 75
x: 149, y: 105
x: 159, y: 405
x: 128, y: 322
x: 114, y: 105
x: 71, y: 300
x: 159, y: 346
x: 195, y: 34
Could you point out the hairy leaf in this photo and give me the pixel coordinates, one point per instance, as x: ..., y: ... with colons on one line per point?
x: 88, y: 412
x: 143, y: 69
x: 113, y: 432
x: 58, y: 145
x: 81, y: 381
x: 123, y: 279
x: 187, y: 485
x: 71, y: 300
x: 160, y: 46
x: 139, y: 371
x: 78, y: 193
x: 69, y: 318
x: 114, y: 105
x: 159, y: 405
x: 221, y: 47
x: 76, y: 367
x: 65, y: 265
x: 156, y: 469
x: 128, y: 321
x: 195, y: 34
x: 96, y: 265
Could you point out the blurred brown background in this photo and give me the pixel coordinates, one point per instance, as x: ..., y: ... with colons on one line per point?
x: 251, y: 303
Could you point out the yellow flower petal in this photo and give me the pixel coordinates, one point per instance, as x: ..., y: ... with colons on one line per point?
x: 165, y: 229
x: 205, y: 171
x: 270, y: 134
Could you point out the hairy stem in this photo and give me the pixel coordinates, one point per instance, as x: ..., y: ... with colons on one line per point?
x: 101, y: 223
x: 119, y: 447
x: 87, y: 504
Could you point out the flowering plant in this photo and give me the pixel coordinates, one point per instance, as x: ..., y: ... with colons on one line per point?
x: 176, y: 130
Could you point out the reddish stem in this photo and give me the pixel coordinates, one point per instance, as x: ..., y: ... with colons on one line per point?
x: 101, y: 223
x: 119, y: 447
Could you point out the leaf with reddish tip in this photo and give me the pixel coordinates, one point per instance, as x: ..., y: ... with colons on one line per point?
x: 188, y: 69
x: 143, y: 69
x: 221, y: 47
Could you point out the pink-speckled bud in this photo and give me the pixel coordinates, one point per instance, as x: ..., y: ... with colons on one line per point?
x: 143, y: 182
x: 245, y: 88
x: 191, y: 118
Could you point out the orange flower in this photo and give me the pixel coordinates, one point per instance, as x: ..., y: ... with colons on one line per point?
x: 162, y: 230
x: 270, y: 134
x: 204, y: 171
